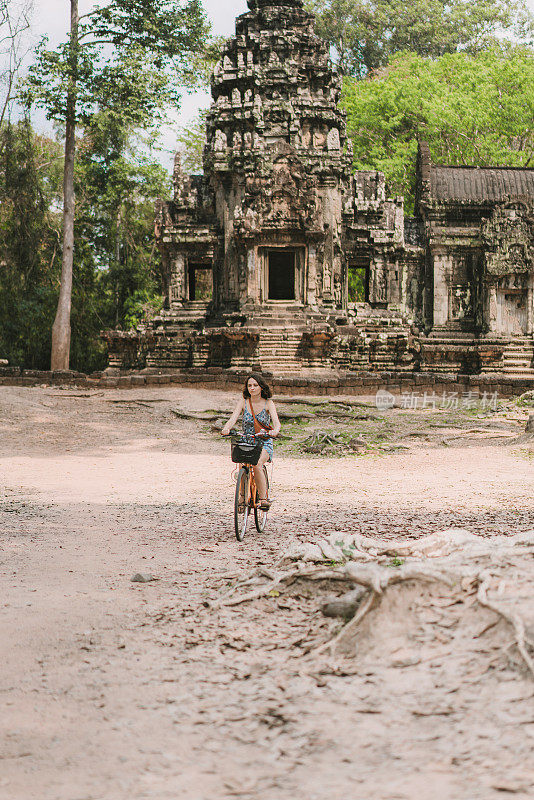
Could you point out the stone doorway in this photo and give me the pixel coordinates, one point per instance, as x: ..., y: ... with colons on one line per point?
x: 281, y: 278
x: 511, y: 312
x: 200, y: 282
x: 358, y: 283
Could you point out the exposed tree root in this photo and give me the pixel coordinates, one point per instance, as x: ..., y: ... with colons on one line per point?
x: 365, y: 606
x: 377, y: 579
x: 372, y: 577
x: 513, y: 619
x: 284, y: 579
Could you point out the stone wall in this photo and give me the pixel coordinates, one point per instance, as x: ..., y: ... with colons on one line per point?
x: 362, y: 383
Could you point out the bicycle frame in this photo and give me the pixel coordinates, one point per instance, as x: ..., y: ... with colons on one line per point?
x: 247, y: 499
x: 252, y: 499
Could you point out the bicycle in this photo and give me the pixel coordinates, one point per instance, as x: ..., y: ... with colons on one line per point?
x: 246, y: 492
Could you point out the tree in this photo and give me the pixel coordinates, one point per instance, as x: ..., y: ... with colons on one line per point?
x: 128, y: 56
x: 30, y: 243
x: 191, y: 140
x: 472, y: 109
x: 117, y: 280
x: 365, y: 34
x: 14, y: 23
x: 118, y: 186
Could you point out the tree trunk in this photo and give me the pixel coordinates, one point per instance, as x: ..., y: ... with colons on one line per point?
x: 61, y: 327
x: 118, y: 221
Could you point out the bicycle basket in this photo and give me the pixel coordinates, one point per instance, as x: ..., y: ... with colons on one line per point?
x: 246, y: 452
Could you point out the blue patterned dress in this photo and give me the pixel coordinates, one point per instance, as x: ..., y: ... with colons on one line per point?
x: 248, y: 428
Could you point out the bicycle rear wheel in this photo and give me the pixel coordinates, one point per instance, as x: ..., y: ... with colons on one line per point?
x: 241, y: 508
x: 260, y: 516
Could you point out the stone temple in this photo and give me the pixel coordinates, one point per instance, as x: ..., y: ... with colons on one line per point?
x: 279, y: 257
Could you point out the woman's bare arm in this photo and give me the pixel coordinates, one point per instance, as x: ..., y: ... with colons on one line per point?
x: 233, y: 419
x: 271, y: 408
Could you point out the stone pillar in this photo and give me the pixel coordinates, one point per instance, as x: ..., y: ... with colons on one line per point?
x: 241, y: 260
x: 310, y: 298
x: 530, y: 305
x: 327, y: 280
x: 178, y: 280
x: 442, y: 263
x: 492, y: 308
x: 378, y: 283
x: 253, y: 276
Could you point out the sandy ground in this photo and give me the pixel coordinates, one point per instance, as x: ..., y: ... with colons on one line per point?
x: 111, y: 689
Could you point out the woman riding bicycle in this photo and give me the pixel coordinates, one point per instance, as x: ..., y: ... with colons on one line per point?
x: 259, y: 420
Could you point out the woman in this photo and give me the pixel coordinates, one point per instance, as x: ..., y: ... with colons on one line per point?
x: 257, y: 403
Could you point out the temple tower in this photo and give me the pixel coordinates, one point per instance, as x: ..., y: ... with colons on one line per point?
x: 280, y: 258
x: 276, y: 164
x: 277, y: 243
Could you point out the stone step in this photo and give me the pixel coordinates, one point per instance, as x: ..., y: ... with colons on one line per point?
x: 288, y: 338
x: 434, y: 342
x: 278, y: 349
x: 519, y: 373
x: 281, y: 332
x: 278, y: 359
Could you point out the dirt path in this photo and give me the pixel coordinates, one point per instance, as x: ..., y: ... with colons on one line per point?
x: 111, y: 689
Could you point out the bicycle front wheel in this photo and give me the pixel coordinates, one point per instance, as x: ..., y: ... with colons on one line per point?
x: 260, y: 516
x: 241, y: 507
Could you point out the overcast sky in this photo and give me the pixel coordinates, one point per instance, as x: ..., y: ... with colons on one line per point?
x: 52, y: 17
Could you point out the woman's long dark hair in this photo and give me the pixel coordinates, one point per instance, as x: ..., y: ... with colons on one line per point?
x: 262, y: 383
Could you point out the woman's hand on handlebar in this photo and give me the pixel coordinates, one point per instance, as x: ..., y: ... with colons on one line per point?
x: 229, y: 431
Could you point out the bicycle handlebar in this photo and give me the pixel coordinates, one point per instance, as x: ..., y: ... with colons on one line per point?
x: 260, y: 435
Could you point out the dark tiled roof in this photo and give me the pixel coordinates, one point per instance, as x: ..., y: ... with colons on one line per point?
x: 479, y: 185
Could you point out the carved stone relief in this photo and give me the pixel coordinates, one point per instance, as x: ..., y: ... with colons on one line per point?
x: 220, y: 142
x: 332, y: 140
x: 508, y: 236
x: 319, y: 139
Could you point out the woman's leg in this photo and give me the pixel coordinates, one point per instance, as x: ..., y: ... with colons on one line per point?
x: 259, y: 474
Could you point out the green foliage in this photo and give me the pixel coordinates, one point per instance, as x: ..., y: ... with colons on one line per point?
x: 357, y: 285
x: 472, y: 109
x: 365, y: 34
x: 191, y: 141
x: 122, y: 67
x: 132, y: 56
x: 116, y: 280
x: 30, y: 185
x: 207, y: 58
x: 192, y: 138
x: 15, y: 20
x: 116, y: 188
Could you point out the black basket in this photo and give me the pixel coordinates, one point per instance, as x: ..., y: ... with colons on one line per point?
x: 246, y: 452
